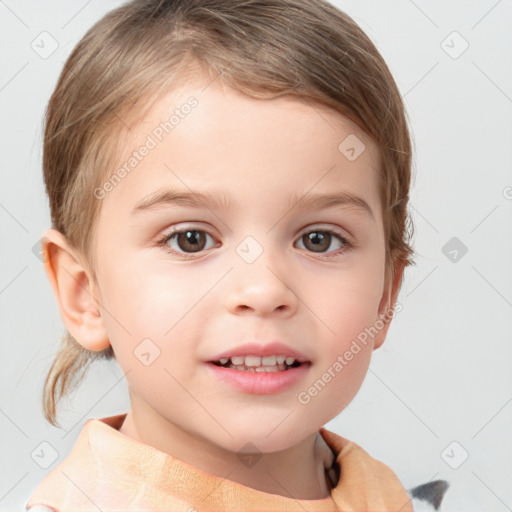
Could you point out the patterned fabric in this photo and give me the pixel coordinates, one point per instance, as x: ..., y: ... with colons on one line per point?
x: 109, y: 471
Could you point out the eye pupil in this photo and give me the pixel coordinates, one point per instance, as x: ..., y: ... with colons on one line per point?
x: 315, y: 236
x: 319, y: 240
x: 191, y: 239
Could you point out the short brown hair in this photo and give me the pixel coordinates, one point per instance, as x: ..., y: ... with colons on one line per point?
x: 264, y: 48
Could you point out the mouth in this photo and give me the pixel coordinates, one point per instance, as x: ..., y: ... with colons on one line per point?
x: 269, y: 364
x: 258, y: 375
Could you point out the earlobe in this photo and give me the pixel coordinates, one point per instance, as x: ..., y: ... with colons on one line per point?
x: 387, y: 306
x: 73, y: 287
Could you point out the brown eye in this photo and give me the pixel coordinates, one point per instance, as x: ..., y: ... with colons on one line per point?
x: 317, y: 240
x: 320, y: 240
x: 191, y: 240
x: 185, y: 241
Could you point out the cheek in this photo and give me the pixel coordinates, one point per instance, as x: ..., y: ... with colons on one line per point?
x: 348, y: 309
x: 349, y: 302
x: 146, y: 298
x: 152, y: 311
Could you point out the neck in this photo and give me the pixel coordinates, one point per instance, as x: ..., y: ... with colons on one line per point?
x: 298, y: 472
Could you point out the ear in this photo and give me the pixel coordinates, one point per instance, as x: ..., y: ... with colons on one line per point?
x: 73, y: 286
x: 388, y: 299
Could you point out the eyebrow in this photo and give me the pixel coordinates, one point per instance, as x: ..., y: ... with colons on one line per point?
x: 322, y: 201
x: 217, y: 200
x: 166, y: 198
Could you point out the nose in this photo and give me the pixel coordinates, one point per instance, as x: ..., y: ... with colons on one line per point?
x: 261, y: 288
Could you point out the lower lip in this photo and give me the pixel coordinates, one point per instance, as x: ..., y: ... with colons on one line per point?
x: 260, y: 383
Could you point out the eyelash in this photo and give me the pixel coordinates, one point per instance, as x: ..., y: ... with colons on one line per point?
x: 163, y: 241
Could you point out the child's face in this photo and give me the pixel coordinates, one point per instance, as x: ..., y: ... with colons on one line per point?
x: 247, y: 272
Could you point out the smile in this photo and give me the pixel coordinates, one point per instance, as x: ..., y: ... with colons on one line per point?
x: 259, y: 364
x: 261, y: 379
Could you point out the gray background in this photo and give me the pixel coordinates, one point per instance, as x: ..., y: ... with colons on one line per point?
x: 440, y: 388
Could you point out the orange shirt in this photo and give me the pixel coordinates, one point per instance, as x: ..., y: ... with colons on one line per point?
x: 109, y: 471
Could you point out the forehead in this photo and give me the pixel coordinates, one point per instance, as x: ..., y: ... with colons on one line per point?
x: 204, y: 135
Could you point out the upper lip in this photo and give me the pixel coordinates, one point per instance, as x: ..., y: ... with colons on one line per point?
x: 262, y: 349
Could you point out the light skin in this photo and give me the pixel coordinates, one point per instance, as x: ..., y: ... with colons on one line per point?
x: 260, y: 154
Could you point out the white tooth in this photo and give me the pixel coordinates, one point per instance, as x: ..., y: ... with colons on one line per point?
x: 281, y: 359
x: 237, y: 360
x: 244, y: 369
x: 252, y: 361
x: 267, y: 369
x: 224, y: 360
x: 268, y: 360
x: 290, y: 360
